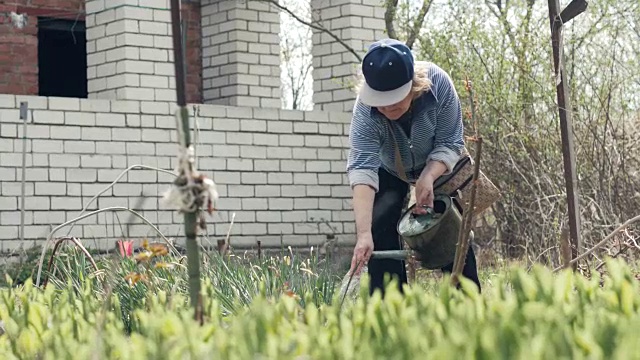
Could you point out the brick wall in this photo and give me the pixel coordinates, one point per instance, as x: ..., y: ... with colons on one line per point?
x: 193, y: 53
x: 358, y: 23
x: 129, y: 50
x: 19, y: 47
x: 241, y: 53
x: 280, y: 171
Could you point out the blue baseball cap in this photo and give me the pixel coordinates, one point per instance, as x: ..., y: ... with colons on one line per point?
x: 388, y: 71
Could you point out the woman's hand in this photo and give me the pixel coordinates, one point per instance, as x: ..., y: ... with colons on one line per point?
x: 361, y: 252
x: 424, y: 186
x: 424, y: 194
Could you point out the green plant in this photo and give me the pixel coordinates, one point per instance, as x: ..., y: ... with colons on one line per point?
x: 540, y: 315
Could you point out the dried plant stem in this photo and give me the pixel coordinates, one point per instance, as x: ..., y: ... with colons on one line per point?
x: 604, y: 241
x: 132, y: 167
x: 55, y: 248
x: 115, y: 208
x: 565, y: 247
x: 462, y: 246
x: 463, y: 236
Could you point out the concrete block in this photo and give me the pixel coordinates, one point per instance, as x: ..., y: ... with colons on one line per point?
x: 291, y: 140
x: 279, y: 153
x: 95, y: 161
x: 82, y: 175
x: 79, y: 147
x: 47, y: 146
x: 64, y: 160
x: 63, y: 132
x: 266, y: 139
x: 292, y: 165
x: 266, y: 165
x: 280, y: 178
x: 305, y: 128
x: 48, y: 117
x: 255, y: 204
x: 254, y: 178
x: 306, y: 204
x: 306, y: 154
x: 239, y: 164
x: 267, y: 190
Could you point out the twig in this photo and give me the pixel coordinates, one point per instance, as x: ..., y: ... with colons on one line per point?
x: 565, y: 247
x: 115, y: 208
x: 55, y: 248
x: 233, y: 217
x: 604, y: 241
x: 346, y: 289
x: 316, y: 27
x: 132, y: 167
x: 463, y: 236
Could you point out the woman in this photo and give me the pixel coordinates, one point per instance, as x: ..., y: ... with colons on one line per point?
x: 414, y: 105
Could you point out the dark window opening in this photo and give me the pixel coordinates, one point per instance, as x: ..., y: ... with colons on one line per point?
x: 62, y: 58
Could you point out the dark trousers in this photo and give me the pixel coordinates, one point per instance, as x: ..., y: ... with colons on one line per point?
x: 387, y: 210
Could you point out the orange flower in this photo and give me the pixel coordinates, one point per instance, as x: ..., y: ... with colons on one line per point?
x: 159, y: 249
x: 134, y: 277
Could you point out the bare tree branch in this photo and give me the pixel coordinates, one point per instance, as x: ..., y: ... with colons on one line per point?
x: 604, y: 241
x: 389, y: 16
x: 417, y: 25
x: 318, y: 27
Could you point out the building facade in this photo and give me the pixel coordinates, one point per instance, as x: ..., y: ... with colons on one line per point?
x: 98, y: 83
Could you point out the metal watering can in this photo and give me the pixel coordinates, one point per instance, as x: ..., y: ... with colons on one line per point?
x: 432, y: 237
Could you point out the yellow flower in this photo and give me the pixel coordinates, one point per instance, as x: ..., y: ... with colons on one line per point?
x: 144, y: 256
x: 163, y: 265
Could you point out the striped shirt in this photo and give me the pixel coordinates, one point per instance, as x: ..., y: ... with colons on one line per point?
x: 436, y: 134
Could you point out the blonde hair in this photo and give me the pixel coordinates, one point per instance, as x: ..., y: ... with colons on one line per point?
x: 421, y: 80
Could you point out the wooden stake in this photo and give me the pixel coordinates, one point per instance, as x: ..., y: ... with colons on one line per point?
x: 190, y: 218
x: 566, y: 126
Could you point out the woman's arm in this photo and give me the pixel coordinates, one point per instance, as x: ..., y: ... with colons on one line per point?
x: 362, y: 166
x: 449, y: 141
x: 434, y: 170
x: 449, y: 134
x: 363, y: 196
x: 362, y: 169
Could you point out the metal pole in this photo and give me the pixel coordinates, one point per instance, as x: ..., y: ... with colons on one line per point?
x: 24, y: 108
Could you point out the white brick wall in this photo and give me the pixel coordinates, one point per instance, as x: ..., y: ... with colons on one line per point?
x: 129, y: 51
x: 280, y: 171
x: 358, y: 23
x: 241, y: 53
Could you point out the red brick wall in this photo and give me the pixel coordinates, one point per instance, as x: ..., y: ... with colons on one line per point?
x: 19, y: 47
x: 191, y: 15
